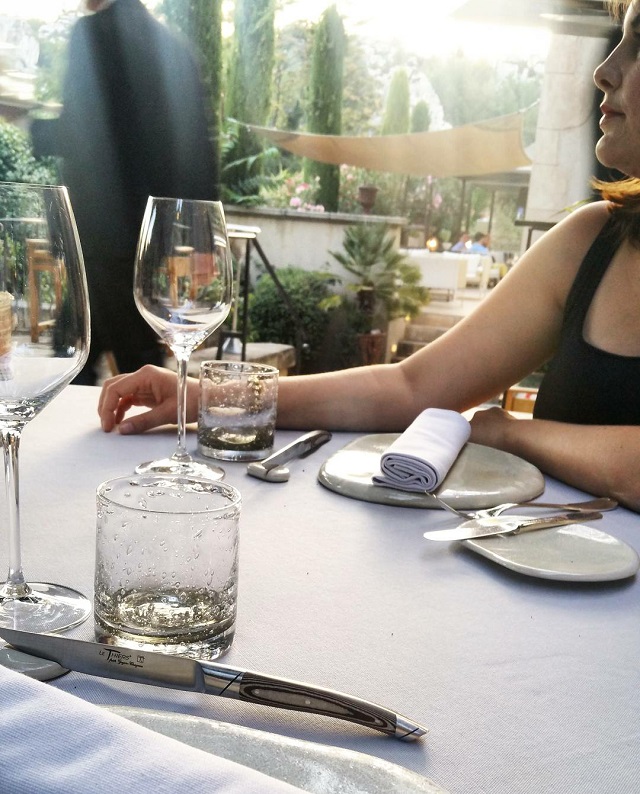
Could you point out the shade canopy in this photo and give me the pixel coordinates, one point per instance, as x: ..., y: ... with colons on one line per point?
x: 484, y: 147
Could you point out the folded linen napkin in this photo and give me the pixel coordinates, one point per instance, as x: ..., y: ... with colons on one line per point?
x: 421, y: 457
x: 52, y: 742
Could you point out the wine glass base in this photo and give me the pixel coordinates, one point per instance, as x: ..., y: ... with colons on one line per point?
x: 48, y: 608
x: 187, y: 468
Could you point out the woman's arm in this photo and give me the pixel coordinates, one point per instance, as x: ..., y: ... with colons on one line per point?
x: 595, y: 458
x: 512, y: 332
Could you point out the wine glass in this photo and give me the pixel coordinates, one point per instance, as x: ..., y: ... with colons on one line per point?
x: 182, y: 286
x: 44, y: 341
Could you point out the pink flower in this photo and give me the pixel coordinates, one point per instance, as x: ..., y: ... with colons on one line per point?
x: 295, y: 202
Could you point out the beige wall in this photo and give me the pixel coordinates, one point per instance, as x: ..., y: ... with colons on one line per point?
x: 304, y: 239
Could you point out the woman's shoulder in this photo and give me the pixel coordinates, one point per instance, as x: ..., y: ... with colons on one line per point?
x: 588, y: 219
x: 551, y: 264
x: 570, y: 239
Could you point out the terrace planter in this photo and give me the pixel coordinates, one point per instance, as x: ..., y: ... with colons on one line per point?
x: 373, y: 347
x: 367, y: 197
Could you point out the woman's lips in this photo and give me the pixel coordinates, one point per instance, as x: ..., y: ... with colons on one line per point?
x: 609, y: 113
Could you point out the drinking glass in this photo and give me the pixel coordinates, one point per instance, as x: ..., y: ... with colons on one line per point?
x: 44, y: 341
x: 166, y: 575
x: 182, y: 286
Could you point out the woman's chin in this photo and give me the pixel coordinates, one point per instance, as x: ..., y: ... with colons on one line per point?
x: 606, y: 154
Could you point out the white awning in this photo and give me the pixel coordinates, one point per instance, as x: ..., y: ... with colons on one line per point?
x: 484, y: 147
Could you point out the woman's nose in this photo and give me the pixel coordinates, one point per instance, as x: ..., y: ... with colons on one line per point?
x: 607, y: 74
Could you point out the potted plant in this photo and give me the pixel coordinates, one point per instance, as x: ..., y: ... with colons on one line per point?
x: 387, y: 286
x: 367, y: 197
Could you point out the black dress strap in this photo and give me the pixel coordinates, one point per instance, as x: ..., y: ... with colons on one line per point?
x: 590, y: 274
x: 584, y: 384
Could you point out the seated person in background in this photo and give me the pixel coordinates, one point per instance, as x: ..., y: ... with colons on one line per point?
x: 481, y: 244
x: 572, y: 300
x: 463, y: 244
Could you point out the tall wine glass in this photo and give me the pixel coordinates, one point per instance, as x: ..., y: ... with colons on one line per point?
x: 44, y: 341
x: 182, y: 286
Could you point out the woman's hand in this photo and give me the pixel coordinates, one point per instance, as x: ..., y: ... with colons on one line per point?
x: 490, y: 426
x: 153, y: 387
x: 597, y: 459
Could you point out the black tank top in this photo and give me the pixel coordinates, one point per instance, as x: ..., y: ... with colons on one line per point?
x: 585, y: 385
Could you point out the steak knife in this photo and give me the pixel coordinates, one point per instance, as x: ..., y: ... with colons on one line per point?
x: 511, y: 525
x: 177, y: 672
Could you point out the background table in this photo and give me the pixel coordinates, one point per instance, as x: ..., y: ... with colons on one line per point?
x: 527, y: 685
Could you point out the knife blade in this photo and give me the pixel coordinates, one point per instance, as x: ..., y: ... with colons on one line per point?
x: 299, y: 448
x: 511, y: 525
x: 177, y: 672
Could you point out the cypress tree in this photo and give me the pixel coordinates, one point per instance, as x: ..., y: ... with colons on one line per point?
x: 249, y: 89
x: 325, y: 112
x: 395, y: 121
x: 420, y: 122
x: 396, y: 113
x: 420, y: 117
x: 200, y: 21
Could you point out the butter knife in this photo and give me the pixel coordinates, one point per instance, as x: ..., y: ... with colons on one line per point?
x: 511, y: 525
x: 272, y: 469
x: 177, y: 672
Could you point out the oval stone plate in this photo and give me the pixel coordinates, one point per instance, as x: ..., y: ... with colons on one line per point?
x: 31, y: 666
x: 574, y: 553
x: 480, y: 477
x: 309, y: 766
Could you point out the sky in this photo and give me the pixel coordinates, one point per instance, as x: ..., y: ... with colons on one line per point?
x: 423, y: 26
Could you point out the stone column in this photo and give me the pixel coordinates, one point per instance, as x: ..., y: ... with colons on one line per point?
x: 563, y: 158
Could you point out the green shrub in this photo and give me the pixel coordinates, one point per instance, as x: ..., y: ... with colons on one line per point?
x: 17, y: 163
x: 271, y: 319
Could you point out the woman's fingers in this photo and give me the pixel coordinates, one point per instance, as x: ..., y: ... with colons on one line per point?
x: 137, y: 423
x: 153, y: 387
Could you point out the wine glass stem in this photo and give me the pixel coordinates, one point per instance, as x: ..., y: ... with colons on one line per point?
x: 182, y: 359
x: 15, y: 586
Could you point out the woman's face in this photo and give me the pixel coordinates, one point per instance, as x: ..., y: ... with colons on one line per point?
x: 619, y: 78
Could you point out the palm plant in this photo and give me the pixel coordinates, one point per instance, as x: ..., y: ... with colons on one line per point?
x: 387, y: 285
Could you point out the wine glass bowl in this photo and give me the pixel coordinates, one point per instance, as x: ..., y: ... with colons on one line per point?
x: 44, y: 341
x: 183, y: 286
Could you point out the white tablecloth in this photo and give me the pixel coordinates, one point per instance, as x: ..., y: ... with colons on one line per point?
x: 527, y: 685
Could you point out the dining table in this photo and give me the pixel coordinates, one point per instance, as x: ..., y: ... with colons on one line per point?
x: 526, y: 684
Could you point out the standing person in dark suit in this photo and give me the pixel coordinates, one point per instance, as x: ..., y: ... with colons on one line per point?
x: 133, y: 124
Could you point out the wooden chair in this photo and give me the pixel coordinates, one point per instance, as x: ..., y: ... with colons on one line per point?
x: 520, y: 398
x: 41, y: 261
x: 180, y: 266
x: 110, y: 361
x: 199, y: 268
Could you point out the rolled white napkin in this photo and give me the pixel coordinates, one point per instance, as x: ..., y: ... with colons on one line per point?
x: 421, y: 457
x: 52, y: 742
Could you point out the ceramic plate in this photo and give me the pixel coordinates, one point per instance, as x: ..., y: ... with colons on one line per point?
x: 32, y: 666
x: 575, y: 553
x: 480, y: 477
x: 312, y: 767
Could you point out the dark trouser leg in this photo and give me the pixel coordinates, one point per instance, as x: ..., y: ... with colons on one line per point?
x: 134, y: 343
x: 116, y: 323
